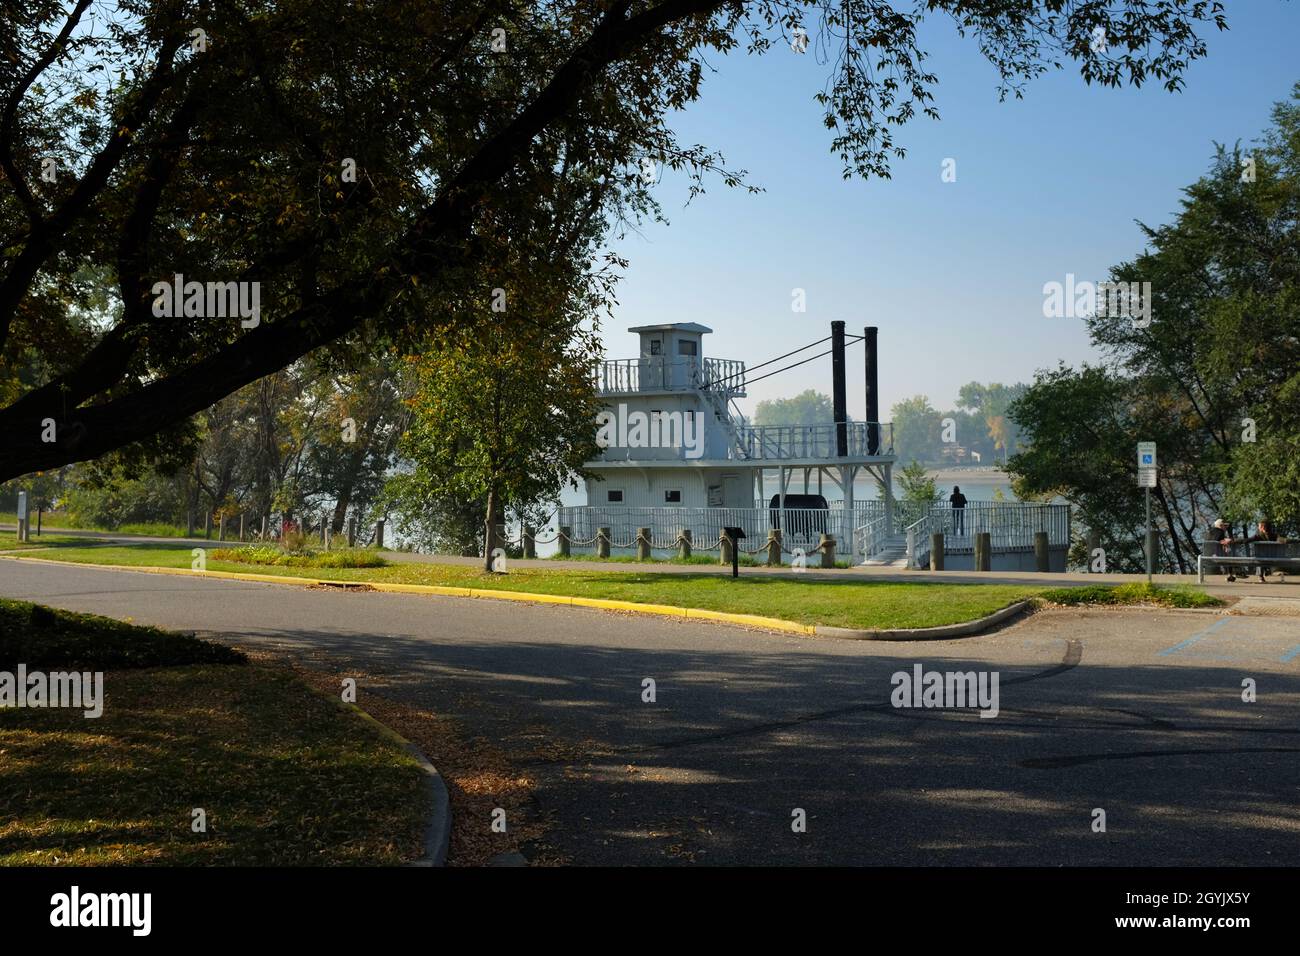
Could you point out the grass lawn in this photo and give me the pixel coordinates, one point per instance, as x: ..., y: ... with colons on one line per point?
x: 9, y: 541
x: 286, y: 776
x: 837, y: 602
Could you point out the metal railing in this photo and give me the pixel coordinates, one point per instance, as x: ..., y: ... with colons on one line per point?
x: 659, y: 373
x: 871, y: 538
x: 803, y: 526
x: 812, y: 441
x: 1011, y: 526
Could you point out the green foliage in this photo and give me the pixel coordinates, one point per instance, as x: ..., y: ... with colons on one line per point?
x: 1223, y: 347
x: 917, y: 486
x: 1135, y: 593
x: 809, y: 407
x: 280, y: 557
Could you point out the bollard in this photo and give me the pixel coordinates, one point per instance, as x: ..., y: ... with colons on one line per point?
x: 324, y: 531
x: 684, y: 543
x: 379, y: 533
x: 1041, y: 562
x: 565, y: 539
x: 983, y: 551
x: 936, y: 551
x: 602, y: 542
x: 264, y: 520
x: 207, y: 526
x: 530, y: 541
x: 241, y: 528
x: 827, y: 547
x: 189, y: 523
x: 643, y: 544
x: 1093, y: 539
x: 725, y: 546
x: 352, y: 532
x: 221, y: 527
x: 773, y: 547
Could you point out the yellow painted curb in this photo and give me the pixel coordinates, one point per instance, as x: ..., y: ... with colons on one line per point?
x: 663, y: 610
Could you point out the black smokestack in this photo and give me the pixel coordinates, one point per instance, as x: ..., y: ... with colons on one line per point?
x: 873, y: 393
x: 837, y: 390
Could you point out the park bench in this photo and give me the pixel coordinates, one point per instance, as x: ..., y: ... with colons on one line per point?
x: 1263, y: 556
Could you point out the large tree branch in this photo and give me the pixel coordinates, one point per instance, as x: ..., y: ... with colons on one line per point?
x: 426, y: 249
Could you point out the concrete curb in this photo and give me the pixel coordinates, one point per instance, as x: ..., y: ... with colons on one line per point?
x: 437, y: 828
x: 927, y: 633
x: 663, y: 610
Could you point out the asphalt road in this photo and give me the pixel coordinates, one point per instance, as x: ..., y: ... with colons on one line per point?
x: 1137, y: 713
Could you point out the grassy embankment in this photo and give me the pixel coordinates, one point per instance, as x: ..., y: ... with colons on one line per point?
x: 840, y: 602
x: 286, y: 776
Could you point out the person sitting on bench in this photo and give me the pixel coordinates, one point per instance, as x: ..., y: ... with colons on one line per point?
x: 1222, y: 536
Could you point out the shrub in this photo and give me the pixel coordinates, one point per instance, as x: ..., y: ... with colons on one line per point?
x: 1139, y: 592
x: 277, y: 557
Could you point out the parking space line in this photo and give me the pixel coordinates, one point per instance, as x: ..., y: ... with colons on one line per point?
x: 1194, y: 638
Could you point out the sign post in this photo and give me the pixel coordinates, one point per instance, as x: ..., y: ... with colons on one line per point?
x: 22, y: 516
x: 1147, y: 480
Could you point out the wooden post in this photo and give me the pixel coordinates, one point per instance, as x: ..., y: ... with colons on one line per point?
x: 827, y: 547
x: 324, y: 531
x: 379, y: 532
x: 602, y: 542
x: 221, y: 526
x: 643, y: 544
x: 725, y: 547
x: 1041, y: 562
x: 684, y: 543
x: 40, y: 512
x: 352, y: 532
x: 773, y: 547
x: 264, y: 520
x: 983, y: 551
x: 936, y: 551
x: 241, y: 526
x: 189, y: 523
x: 207, y: 526
x: 530, y: 542
x: 565, y: 540
x: 1093, y: 539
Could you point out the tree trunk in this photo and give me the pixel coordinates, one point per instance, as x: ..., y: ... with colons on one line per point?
x: 490, y: 529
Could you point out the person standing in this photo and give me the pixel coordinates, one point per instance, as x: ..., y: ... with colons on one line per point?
x: 958, y: 502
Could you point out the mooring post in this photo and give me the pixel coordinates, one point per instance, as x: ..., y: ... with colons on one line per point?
x: 936, y: 551
x: 565, y: 540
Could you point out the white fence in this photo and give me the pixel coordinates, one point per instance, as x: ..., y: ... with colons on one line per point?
x: 1011, y: 526
x: 803, y: 526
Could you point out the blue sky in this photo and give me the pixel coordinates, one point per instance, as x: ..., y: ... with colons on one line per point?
x: 951, y: 273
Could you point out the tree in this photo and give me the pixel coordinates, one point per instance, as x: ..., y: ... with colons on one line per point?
x: 918, y: 487
x: 809, y: 407
x: 356, y: 167
x: 918, y: 429
x: 504, y: 420
x: 990, y: 403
